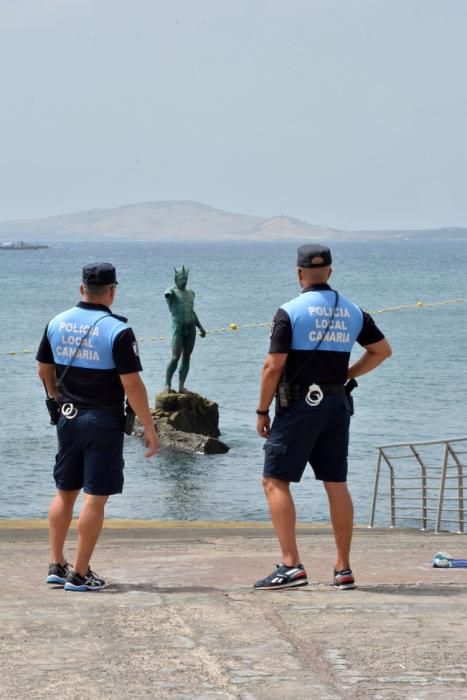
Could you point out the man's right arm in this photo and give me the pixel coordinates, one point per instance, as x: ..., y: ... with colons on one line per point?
x: 272, y: 371
x: 138, y: 400
x: 47, y: 375
x: 273, y: 368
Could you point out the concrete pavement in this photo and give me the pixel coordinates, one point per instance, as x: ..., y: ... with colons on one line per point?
x: 179, y: 618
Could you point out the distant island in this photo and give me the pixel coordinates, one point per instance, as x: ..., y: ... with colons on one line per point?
x: 182, y: 220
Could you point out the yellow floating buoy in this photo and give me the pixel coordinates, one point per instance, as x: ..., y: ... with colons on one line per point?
x: 234, y: 326
x: 419, y: 303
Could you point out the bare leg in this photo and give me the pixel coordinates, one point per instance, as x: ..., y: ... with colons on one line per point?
x: 341, y: 510
x: 188, y: 346
x: 184, y: 369
x: 171, y: 367
x: 89, y: 528
x: 60, y: 515
x: 177, y: 346
x: 282, y: 509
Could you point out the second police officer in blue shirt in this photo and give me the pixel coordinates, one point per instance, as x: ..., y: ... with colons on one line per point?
x: 308, y: 366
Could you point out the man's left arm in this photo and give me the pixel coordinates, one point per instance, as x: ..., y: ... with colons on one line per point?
x: 137, y: 395
x: 126, y: 356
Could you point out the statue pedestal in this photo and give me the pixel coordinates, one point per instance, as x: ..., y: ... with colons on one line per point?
x: 189, y: 422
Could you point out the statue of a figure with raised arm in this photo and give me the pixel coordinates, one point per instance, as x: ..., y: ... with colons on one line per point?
x: 184, y: 324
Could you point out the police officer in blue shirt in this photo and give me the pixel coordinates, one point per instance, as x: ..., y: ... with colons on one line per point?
x: 88, y: 360
x: 307, y: 367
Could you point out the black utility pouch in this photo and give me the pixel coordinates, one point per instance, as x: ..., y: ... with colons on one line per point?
x: 53, y: 409
x: 284, y: 394
x: 129, y: 423
x: 349, y: 387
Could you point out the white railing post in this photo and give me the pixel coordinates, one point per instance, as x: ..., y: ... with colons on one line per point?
x: 375, y: 489
x: 426, y: 476
x: 442, y: 485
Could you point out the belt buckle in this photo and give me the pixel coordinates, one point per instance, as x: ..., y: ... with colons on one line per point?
x: 314, y: 395
x: 69, y: 410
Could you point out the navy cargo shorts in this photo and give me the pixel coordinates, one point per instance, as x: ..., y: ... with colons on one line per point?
x: 90, y: 452
x: 318, y: 435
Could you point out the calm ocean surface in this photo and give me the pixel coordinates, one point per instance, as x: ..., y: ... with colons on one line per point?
x: 419, y: 394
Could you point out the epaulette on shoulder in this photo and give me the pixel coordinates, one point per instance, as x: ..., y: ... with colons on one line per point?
x: 120, y: 318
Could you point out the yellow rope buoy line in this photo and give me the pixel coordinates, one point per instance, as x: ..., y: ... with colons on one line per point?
x: 418, y: 305
x: 236, y: 327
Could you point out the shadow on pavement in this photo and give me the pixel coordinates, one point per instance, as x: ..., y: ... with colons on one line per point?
x: 415, y: 589
x: 154, y: 588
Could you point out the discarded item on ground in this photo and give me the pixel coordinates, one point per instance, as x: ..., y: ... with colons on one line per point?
x: 443, y: 560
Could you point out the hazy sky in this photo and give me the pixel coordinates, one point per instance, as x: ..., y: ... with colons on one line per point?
x: 350, y: 113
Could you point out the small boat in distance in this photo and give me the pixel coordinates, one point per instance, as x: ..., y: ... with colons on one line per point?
x: 20, y: 245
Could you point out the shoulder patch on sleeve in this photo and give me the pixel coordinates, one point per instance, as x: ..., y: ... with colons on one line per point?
x: 134, y: 345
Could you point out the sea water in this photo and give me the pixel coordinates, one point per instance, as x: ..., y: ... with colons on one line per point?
x: 419, y: 394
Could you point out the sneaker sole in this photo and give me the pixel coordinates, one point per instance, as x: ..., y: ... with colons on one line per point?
x: 292, y: 584
x: 55, y: 579
x: 344, y: 586
x: 81, y: 589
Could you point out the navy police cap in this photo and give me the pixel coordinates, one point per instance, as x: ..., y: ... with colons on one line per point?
x: 99, y: 274
x: 313, y: 255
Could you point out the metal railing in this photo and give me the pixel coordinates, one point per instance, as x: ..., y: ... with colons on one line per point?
x: 431, y: 488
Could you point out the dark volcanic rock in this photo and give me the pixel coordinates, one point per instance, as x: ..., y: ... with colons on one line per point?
x: 188, y: 422
x: 190, y: 413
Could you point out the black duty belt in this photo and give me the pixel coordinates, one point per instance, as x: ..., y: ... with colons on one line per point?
x: 81, y: 407
x: 298, y: 391
x: 69, y: 410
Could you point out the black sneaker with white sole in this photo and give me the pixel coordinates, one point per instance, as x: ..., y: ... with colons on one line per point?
x: 57, y: 573
x: 344, y: 580
x: 89, y: 582
x: 283, y: 577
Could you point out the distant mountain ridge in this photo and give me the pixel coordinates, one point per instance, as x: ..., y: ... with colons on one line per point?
x: 181, y: 220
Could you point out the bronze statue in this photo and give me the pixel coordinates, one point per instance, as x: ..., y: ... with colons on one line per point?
x: 184, y: 324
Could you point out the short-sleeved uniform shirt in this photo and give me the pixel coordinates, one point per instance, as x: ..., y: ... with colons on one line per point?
x: 309, y: 319
x: 317, y: 330
x: 100, y: 347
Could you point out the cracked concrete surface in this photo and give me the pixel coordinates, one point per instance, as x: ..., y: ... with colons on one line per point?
x: 179, y: 618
